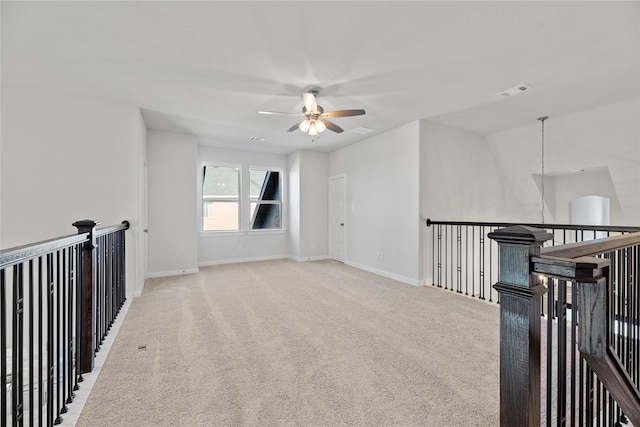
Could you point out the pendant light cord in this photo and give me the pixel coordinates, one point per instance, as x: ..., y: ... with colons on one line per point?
x: 542, y: 119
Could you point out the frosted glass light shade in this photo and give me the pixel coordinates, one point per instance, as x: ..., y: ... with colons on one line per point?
x: 304, y: 126
x: 313, y: 131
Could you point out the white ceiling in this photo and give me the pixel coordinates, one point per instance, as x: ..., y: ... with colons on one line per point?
x: 207, y: 68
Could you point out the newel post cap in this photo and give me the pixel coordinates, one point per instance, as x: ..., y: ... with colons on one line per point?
x: 85, y: 224
x: 520, y: 234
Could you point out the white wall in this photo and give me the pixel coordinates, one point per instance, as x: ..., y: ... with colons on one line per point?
x: 217, y: 248
x: 608, y: 136
x: 310, y: 242
x: 294, y: 232
x: 173, y: 160
x: 589, y: 183
x: 66, y: 158
x: 460, y: 178
x: 382, y: 212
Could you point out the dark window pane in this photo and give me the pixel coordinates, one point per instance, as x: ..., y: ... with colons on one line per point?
x: 266, y: 216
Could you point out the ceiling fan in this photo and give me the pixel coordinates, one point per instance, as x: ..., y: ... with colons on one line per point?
x: 316, y: 118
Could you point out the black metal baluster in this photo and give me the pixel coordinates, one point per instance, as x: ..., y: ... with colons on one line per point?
x: 446, y: 257
x: 636, y: 322
x: 439, y: 255
x: 598, y: 408
x: 473, y: 261
x: 17, y: 400
x: 3, y: 348
x: 49, y: 369
x: 482, y: 239
x: 498, y: 266
x: 451, y: 258
x: 98, y: 294
x: 618, y: 315
x: 591, y: 390
x: 70, y: 322
x: 56, y: 343
x: 610, y: 410
x: 459, y: 260
x: 466, y: 259
x: 582, y: 388
x: 562, y: 351
x: 32, y: 405
x: 41, y: 396
x: 574, y: 354
x: 80, y: 345
x: 62, y: 333
x: 433, y: 256
x: 490, y: 266
x: 627, y: 309
x: 111, y: 281
x: 550, y: 300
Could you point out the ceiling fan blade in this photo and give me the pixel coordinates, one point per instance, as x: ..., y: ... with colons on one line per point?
x: 281, y: 114
x: 310, y: 102
x: 294, y: 127
x: 332, y: 126
x: 343, y: 113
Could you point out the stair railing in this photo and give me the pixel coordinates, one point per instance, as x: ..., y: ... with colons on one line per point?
x: 608, y: 318
x: 58, y: 300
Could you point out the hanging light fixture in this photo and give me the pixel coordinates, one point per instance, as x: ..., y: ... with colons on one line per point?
x: 312, y: 126
x: 542, y: 119
x: 313, y: 131
x: 304, y: 126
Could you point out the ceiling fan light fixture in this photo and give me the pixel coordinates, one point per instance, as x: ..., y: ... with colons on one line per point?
x: 304, y: 126
x: 313, y: 131
x: 316, y: 118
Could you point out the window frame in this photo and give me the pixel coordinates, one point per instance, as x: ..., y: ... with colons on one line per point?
x: 244, y: 199
x: 279, y: 203
x: 236, y: 199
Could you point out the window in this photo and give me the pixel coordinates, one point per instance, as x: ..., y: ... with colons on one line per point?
x: 265, y: 199
x: 220, y: 198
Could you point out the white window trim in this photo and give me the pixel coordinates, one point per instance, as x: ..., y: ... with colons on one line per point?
x: 204, y: 232
x: 282, y: 228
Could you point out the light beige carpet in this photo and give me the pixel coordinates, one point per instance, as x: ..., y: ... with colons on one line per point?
x: 281, y: 343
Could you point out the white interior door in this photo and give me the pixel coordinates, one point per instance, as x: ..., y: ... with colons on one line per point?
x: 337, y: 226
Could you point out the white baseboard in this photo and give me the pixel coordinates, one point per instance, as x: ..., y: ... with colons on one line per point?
x: 172, y: 273
x: 240, y: 260
x: 313, y: 258
x: 399, y: 278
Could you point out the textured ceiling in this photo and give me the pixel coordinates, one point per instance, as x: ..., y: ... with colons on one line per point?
x: 207, y: 68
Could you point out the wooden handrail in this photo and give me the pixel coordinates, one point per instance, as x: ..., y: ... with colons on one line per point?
x: 15, y: 255
x: 592, y: 247
x: 575, y: 262
x: 613, y: 228
x: 18, y: 254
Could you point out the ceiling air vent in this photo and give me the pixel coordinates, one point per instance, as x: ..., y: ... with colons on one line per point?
x: 514, y: 90
x: 362, y: 130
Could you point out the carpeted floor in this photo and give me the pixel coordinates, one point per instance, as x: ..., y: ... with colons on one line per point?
x: 281, y: 343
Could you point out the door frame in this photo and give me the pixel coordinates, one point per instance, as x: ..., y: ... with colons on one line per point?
x: 330, y: 213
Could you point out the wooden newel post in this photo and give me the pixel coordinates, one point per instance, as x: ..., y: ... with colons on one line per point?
x: 87, y: 338
x: 520, y: 304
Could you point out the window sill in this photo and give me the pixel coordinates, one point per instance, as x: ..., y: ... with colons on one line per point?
x: 221, y: 233
x: 279, y: 231
x: 240, y: 233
